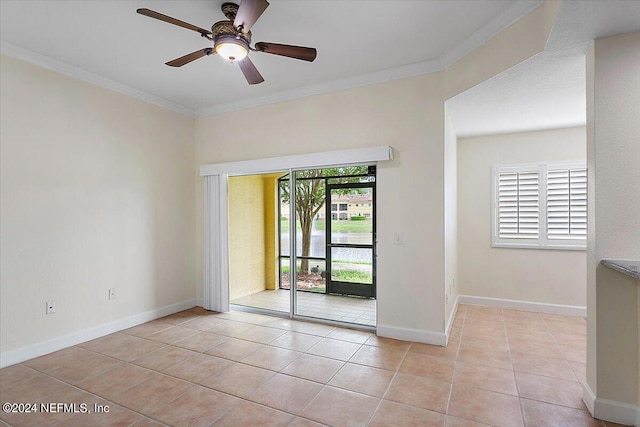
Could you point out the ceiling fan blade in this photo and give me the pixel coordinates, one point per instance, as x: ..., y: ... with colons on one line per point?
x: 296, y: 52
x: 179, y: 62
x: 157, y: 15
x: 250, y: 71
x: 248, y: 13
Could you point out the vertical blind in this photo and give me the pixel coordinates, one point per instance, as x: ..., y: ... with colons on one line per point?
x: 216, y: 249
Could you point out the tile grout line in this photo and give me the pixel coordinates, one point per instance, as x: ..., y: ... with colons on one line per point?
x: 455, y: 364
x: 194, y: 384
x: 144, y: 416
x: 513, y: 371
x: 325, y: 385
x: 395, y: 374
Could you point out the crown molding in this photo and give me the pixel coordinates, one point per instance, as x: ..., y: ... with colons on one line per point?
x: 502, y: 21
x: 516, y: 11
x: 397, y: 73
x: 477, y: 39
x: 14, y: 51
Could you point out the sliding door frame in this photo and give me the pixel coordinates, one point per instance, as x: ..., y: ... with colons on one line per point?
x: 217, y: 243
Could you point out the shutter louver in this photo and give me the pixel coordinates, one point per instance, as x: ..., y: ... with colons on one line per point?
x: 518, y: 201
x: 567, y: 204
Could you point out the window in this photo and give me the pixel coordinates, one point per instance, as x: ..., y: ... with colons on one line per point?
x: 343, y: 206
x: 540, y: 206
x: 567, y: 204
x: 334, y: 207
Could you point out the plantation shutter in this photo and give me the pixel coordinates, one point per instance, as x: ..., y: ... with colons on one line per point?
x: 518, y: 205
x: 567, y: 204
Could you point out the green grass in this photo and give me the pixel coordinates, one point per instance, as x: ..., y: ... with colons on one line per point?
x: 344, y: 261
x: 352, y: 276
x: 346, y: 226
x: 285, y: 267
x: 342, y: 275
x: 336, y: 226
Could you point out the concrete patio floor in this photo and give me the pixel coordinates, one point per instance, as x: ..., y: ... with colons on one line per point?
x: 360, y: 311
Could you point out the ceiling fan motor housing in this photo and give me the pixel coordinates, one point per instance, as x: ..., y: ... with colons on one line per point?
x: 226, y: 28
x: 223, y: 32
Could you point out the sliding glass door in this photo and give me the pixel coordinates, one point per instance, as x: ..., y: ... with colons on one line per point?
x: 333, y: 269
x: 302, y: 243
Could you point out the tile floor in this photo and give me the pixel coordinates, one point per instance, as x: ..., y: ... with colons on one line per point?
x: 360, y: 311
x: 196, y: 368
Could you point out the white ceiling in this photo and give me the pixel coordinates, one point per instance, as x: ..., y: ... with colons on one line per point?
x: 549, y: 90
x: 359, y: 42
x: 109, y: 40
x: 544, y: 92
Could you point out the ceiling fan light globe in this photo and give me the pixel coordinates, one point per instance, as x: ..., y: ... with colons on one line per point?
x: 231, y: 49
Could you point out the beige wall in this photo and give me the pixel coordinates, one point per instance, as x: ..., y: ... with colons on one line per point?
x: 523, y: 39
x: 543, y: 276
x: 130, y: 221
x: 450, y: 217
x: 613, y: 104
x: 406, y: 114
x: 97, y: 193
x: 617, y: 339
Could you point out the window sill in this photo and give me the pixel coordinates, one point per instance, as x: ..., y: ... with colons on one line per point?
x: 502, y: 245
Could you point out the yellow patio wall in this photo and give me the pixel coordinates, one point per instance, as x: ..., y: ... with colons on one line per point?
x: 246, y: 236
x: 253, y: 250
x: 270, y: 194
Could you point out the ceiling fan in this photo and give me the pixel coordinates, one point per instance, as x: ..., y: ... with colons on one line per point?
x: 232, y: 38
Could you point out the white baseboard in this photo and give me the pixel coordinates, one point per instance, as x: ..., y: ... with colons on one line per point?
x: 588, y: 397
x: 610, y: 410
x: 12, y: 357
x: 616, y: 412
x: 452, y: 316
x: 408, y: 334
x: 568, y: 310
x: 439, y: 338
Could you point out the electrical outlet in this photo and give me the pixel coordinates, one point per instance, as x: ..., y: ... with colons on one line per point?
x: 51, y: 307
x: 112, y: 293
